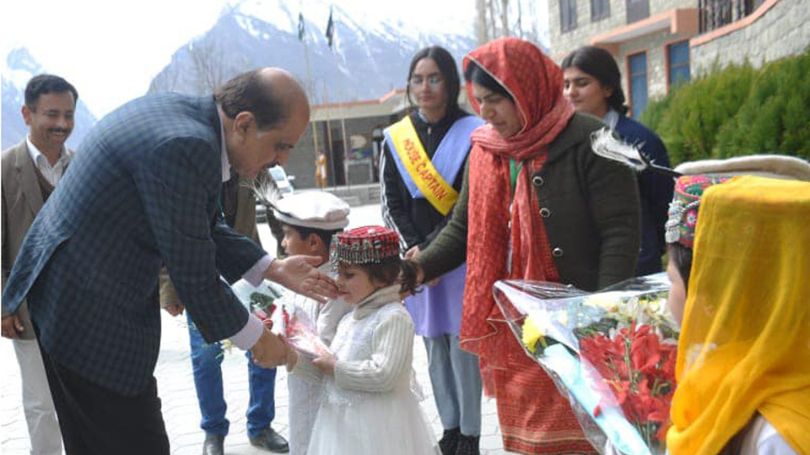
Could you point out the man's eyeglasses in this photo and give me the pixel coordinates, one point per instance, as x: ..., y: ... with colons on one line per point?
x: 433, y: 80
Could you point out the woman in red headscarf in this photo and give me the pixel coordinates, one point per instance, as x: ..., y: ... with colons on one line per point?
x: 536, y: 204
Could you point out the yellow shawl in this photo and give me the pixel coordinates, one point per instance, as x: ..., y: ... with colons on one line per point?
x: 745, y: 341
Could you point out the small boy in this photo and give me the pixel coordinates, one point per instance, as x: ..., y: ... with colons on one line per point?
x: 309, y: 220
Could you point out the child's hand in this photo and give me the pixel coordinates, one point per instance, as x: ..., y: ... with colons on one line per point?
x: 325, y: 363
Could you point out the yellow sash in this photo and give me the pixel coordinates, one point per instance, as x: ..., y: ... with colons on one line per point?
x: 408, y: 147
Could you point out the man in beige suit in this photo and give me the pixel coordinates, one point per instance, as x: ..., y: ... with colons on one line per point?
x: 238, y: 205
x: 30, y: 171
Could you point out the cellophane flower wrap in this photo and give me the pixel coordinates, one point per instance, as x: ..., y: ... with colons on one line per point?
x: 300, y: 331
x: 612, y: 353
x: 283, y: 318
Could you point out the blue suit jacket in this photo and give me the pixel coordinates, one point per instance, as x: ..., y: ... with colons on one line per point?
x: 141, y: 191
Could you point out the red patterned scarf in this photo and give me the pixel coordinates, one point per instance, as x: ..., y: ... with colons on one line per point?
x: 496, y: 219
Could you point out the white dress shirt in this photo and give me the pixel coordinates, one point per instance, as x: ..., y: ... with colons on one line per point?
x: 250, y: 333
x: 51, y: 173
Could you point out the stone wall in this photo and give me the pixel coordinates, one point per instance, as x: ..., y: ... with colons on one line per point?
x: 784, y: 29
x: 657, y: 67
x: 564, y: 43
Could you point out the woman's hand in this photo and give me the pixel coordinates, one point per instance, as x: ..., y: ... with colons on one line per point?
x: 413, y: 255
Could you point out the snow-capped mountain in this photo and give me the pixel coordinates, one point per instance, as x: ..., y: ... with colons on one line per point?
x: 20, y: 68
x: 368, y: 58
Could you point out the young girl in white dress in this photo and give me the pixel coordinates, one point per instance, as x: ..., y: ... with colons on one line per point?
x: 370, y: 405
x: 309, y: 221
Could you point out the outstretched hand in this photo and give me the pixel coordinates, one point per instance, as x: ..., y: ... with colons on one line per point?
x: 270, y: 350
x: 300, y: 275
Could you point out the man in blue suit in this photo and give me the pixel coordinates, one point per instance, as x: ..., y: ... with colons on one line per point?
x: 141, y: 192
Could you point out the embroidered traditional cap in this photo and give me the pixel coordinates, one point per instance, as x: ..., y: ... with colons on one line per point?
x: 365, y: 245
x: 699, y: 175
x: 683, y: 210
x: 313, y: 209
x: 764, y: 165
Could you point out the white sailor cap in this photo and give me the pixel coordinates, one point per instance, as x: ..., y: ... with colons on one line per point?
x: 313, y: 209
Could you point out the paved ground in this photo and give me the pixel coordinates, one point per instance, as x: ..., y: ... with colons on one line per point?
x: 176, y: 388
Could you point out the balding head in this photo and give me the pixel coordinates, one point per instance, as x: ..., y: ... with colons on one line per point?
x: 266, y: 112
x: 272, y: 95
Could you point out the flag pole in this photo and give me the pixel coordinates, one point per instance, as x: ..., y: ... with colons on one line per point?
x: 310, y: 84
x: 330, y: 34
x: 327, y: 110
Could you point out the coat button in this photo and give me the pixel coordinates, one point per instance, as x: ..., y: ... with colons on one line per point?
x: 557, y: 252
x: 537, y: 180
x: 545, y: 212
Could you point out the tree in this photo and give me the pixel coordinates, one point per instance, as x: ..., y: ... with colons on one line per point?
x: 208, y: 60
x: 493, y: 20
x: 737, y: 110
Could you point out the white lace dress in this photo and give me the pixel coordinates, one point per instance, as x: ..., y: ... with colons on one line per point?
x: 370, y: 406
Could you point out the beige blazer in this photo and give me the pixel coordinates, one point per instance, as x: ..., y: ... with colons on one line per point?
x: 22, y: 200
x: 245, y: 223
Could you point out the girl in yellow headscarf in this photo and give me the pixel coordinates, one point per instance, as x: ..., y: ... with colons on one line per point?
x: 741, y: 286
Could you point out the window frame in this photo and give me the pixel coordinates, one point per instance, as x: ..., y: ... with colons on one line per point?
x: 600, y: 12
x: 669, y: 66
x: 568, y: 10
x: 631, y: 75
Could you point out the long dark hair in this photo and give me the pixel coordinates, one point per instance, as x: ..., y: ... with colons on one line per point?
x: 447, y: 66
x: 477, y: 75
x: 600, y: 64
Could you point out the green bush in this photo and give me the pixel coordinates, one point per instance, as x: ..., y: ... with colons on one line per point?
x: 737, y: 110
x: 776, y: 116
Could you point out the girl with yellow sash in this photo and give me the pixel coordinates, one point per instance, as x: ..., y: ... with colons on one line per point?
x: 422, y: 169
x: 740, y: 285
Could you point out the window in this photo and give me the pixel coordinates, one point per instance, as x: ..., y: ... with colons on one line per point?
x: 638, y: 83
x: 679, y: 63
x: 637, y: 10
x: 568, y: 15
x: 600, y: 9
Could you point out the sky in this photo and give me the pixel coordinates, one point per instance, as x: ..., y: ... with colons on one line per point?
x: 111, y: 49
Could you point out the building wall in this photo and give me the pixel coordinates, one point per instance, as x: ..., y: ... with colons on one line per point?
x: 657, y: 67
x: 563, y: 43
x: 782, y: 30
x: 302, y: 160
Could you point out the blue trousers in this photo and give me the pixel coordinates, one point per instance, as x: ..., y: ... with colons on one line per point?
x: 456, y: 379
x: 206, y: 360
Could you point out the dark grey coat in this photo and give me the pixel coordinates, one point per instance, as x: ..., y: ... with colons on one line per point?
x: 590, y: 208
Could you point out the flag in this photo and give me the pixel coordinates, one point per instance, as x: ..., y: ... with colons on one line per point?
x: 330, y: 29
x: 300, y: 27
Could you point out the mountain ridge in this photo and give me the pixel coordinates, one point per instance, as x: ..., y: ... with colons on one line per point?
x: 365, y: 62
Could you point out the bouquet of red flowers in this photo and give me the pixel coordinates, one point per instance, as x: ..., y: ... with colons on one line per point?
x: 612, y: 353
